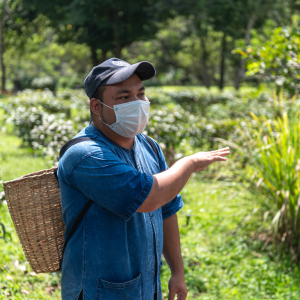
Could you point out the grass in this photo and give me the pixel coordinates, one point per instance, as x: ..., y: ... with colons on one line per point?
x: 221, y: 249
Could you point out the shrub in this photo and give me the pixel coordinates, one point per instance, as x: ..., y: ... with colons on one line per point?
x: 157, y: 96
x: 169, y: 126
x: 277, y: 60
x: 43, y: 121
x: 53, y: 132
x: 46, y: 82
x: 42, y: 100
x: 274, y: 165
x: 24, y: 120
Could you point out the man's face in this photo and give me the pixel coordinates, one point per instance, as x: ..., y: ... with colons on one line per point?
x: 129, y: 90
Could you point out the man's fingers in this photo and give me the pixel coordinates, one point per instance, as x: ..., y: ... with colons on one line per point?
x: 219, y: 158
x: 171, y: 295
x: 220, y: 150
x: 181, y: 297
x: 219, y: 153
x: 214, y: 159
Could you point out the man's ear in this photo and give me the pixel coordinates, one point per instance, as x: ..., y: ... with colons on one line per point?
x: 95, y: 106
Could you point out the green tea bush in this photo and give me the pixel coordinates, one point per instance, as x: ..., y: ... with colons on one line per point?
x: 52, y: 134
x: 76, y: 98
x: 43, y: 120
x: 193, y: 100
x: 78, y: 102
x: 157, y: 96
x: 169, y: 126
x: 210, y: 129
x: 45, y: 82
x: 239, y: 107
x: 24, y: 120
x: 42, y: 100
x: 202, y: 98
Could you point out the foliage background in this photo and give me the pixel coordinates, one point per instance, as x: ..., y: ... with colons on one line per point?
x: 227, y: 75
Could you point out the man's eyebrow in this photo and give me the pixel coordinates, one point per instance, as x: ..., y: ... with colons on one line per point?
x: 123, y: 92
x: 128, y: 91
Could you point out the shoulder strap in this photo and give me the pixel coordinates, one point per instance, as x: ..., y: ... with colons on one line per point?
x: 148, y: 138
x: 81, y: 215
x: 72, y: 142
x: 68, y: 144
x: 90, y: 202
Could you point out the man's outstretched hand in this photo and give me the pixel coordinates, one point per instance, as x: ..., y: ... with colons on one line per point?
x: 177, y: 287
x: 202, y: 160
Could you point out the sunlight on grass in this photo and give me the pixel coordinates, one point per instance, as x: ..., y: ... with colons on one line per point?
x: 221, y: 251
x: 16, y: 161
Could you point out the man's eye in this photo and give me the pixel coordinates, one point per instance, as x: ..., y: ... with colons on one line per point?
x: 142, y: 94
x: 124, y: 97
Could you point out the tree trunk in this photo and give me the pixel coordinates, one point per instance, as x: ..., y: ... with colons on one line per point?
x: 103, y: 56
x: 117, y: 52
x: 3, y: 69
x: 95, y: 59
x: 118, y: 47
x: 222, y: 68
x: 241, y: 70
x: 94, y: 56
x: 203, y: 62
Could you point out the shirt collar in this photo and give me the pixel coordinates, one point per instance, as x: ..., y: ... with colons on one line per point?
x: 93, y: 129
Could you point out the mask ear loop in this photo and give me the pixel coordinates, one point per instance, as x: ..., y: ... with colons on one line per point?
x: 104, y: 104
x: 99, y: 116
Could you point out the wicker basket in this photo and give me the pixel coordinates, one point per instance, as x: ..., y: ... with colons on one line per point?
x: 35, y: 207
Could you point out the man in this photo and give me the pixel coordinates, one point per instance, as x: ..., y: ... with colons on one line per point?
x: 115, y: 252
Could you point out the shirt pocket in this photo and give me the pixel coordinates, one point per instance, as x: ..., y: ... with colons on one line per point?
x: 129, y: 290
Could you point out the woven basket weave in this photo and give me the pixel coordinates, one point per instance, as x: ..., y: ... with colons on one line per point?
x: 35, y: 207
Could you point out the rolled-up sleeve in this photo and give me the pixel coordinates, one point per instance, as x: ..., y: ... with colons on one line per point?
x: 176, y: 204
x: 111, y: 183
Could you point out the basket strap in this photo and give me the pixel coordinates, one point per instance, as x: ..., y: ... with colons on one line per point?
x: 153, y: 147
x: 72, y: 142
x: 81, y: 215
x: 90, y: 202
x: 148, y: 138
x: 67, y: 145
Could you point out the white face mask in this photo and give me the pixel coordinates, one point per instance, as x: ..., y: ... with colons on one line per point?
x: 131, y: 117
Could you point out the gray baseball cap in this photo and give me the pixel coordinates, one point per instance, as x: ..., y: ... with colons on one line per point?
x: 115, y: 70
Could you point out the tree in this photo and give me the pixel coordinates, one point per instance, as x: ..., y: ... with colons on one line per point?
x: 235, y: 19
x: 277, y: 60
x: 255, y: 13
x: 201, y: 26
x: 3, y: 21
x: 14, y: 32
x: 103, y: 25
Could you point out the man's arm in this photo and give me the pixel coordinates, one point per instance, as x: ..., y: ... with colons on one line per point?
x: 172, y: 254
x: 167, y: 184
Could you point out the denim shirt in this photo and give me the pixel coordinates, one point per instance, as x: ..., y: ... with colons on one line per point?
x: 115, y: 252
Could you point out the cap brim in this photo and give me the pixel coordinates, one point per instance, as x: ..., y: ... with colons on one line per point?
x: 144, y: 70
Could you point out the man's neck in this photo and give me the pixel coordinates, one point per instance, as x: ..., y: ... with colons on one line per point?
x: 120, y: 140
